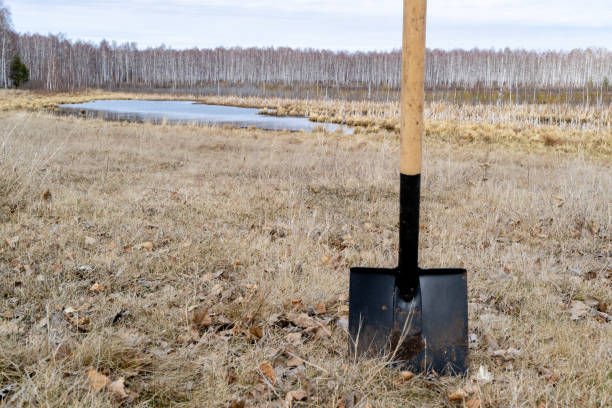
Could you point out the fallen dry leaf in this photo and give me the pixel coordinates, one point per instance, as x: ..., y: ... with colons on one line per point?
x: 294, y: 362
x: 201, y: 319
x: 458, y: 395
x: 297, y: 395
x: 256, y: 332
x: 301, y: 320
x: 146, y: 245
x: 97, y: 288
x: 132, y: 338
x: 117, y: 389
x: 297, y: 303
x: 322, y: 332
x: 268, y: 371
x: 192, y: 336
x: 294, y: 338
x: 507, y: 355
x: 97, y: 380
x: 406, y: 375
x: 325, y: 260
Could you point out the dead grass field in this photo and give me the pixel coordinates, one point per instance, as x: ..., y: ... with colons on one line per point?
x: 208, y: 267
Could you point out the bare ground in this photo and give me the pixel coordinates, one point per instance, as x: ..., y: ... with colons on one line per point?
x: 209, y: 266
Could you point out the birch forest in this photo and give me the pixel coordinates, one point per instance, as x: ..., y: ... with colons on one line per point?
x: 59, y: 64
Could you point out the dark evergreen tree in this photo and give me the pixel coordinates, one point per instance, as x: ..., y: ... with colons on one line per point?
x: 20, y: 74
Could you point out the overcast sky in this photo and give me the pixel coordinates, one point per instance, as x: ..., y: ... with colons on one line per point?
x: 330, y: 24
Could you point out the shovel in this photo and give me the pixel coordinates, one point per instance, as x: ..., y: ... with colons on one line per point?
x: 416, y: 316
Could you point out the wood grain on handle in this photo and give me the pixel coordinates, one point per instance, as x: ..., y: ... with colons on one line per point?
x: 413, y: 93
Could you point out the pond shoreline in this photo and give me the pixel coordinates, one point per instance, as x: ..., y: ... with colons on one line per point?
x: 189, y: 112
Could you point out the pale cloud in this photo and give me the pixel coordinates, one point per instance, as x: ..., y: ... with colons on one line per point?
x: 561, y: 13
x: 338, y: 24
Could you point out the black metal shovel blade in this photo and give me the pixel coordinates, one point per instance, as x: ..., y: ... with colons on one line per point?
x: 445, y: 321
x: 427, y: 333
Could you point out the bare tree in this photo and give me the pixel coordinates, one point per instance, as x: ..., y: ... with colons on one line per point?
x: 6, y: 43
x: 57, y: 63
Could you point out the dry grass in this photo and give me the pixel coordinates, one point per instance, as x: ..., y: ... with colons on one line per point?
x: 12, y: 99
x: 242, y: 222
x: 534, y: 128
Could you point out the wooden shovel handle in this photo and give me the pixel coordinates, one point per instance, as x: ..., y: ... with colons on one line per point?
x: 413, y: 93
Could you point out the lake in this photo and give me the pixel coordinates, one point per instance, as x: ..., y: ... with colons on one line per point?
x: 181, y: 112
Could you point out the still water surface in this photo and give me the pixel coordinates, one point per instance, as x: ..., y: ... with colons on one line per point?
x: 190, y: 112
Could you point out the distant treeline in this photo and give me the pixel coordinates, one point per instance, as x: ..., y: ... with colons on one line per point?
x: 57, y: 63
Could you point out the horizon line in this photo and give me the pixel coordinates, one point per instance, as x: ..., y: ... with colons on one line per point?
x: 276, y: 47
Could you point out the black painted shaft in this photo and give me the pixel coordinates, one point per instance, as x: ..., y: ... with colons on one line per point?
x: 410, y: 200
